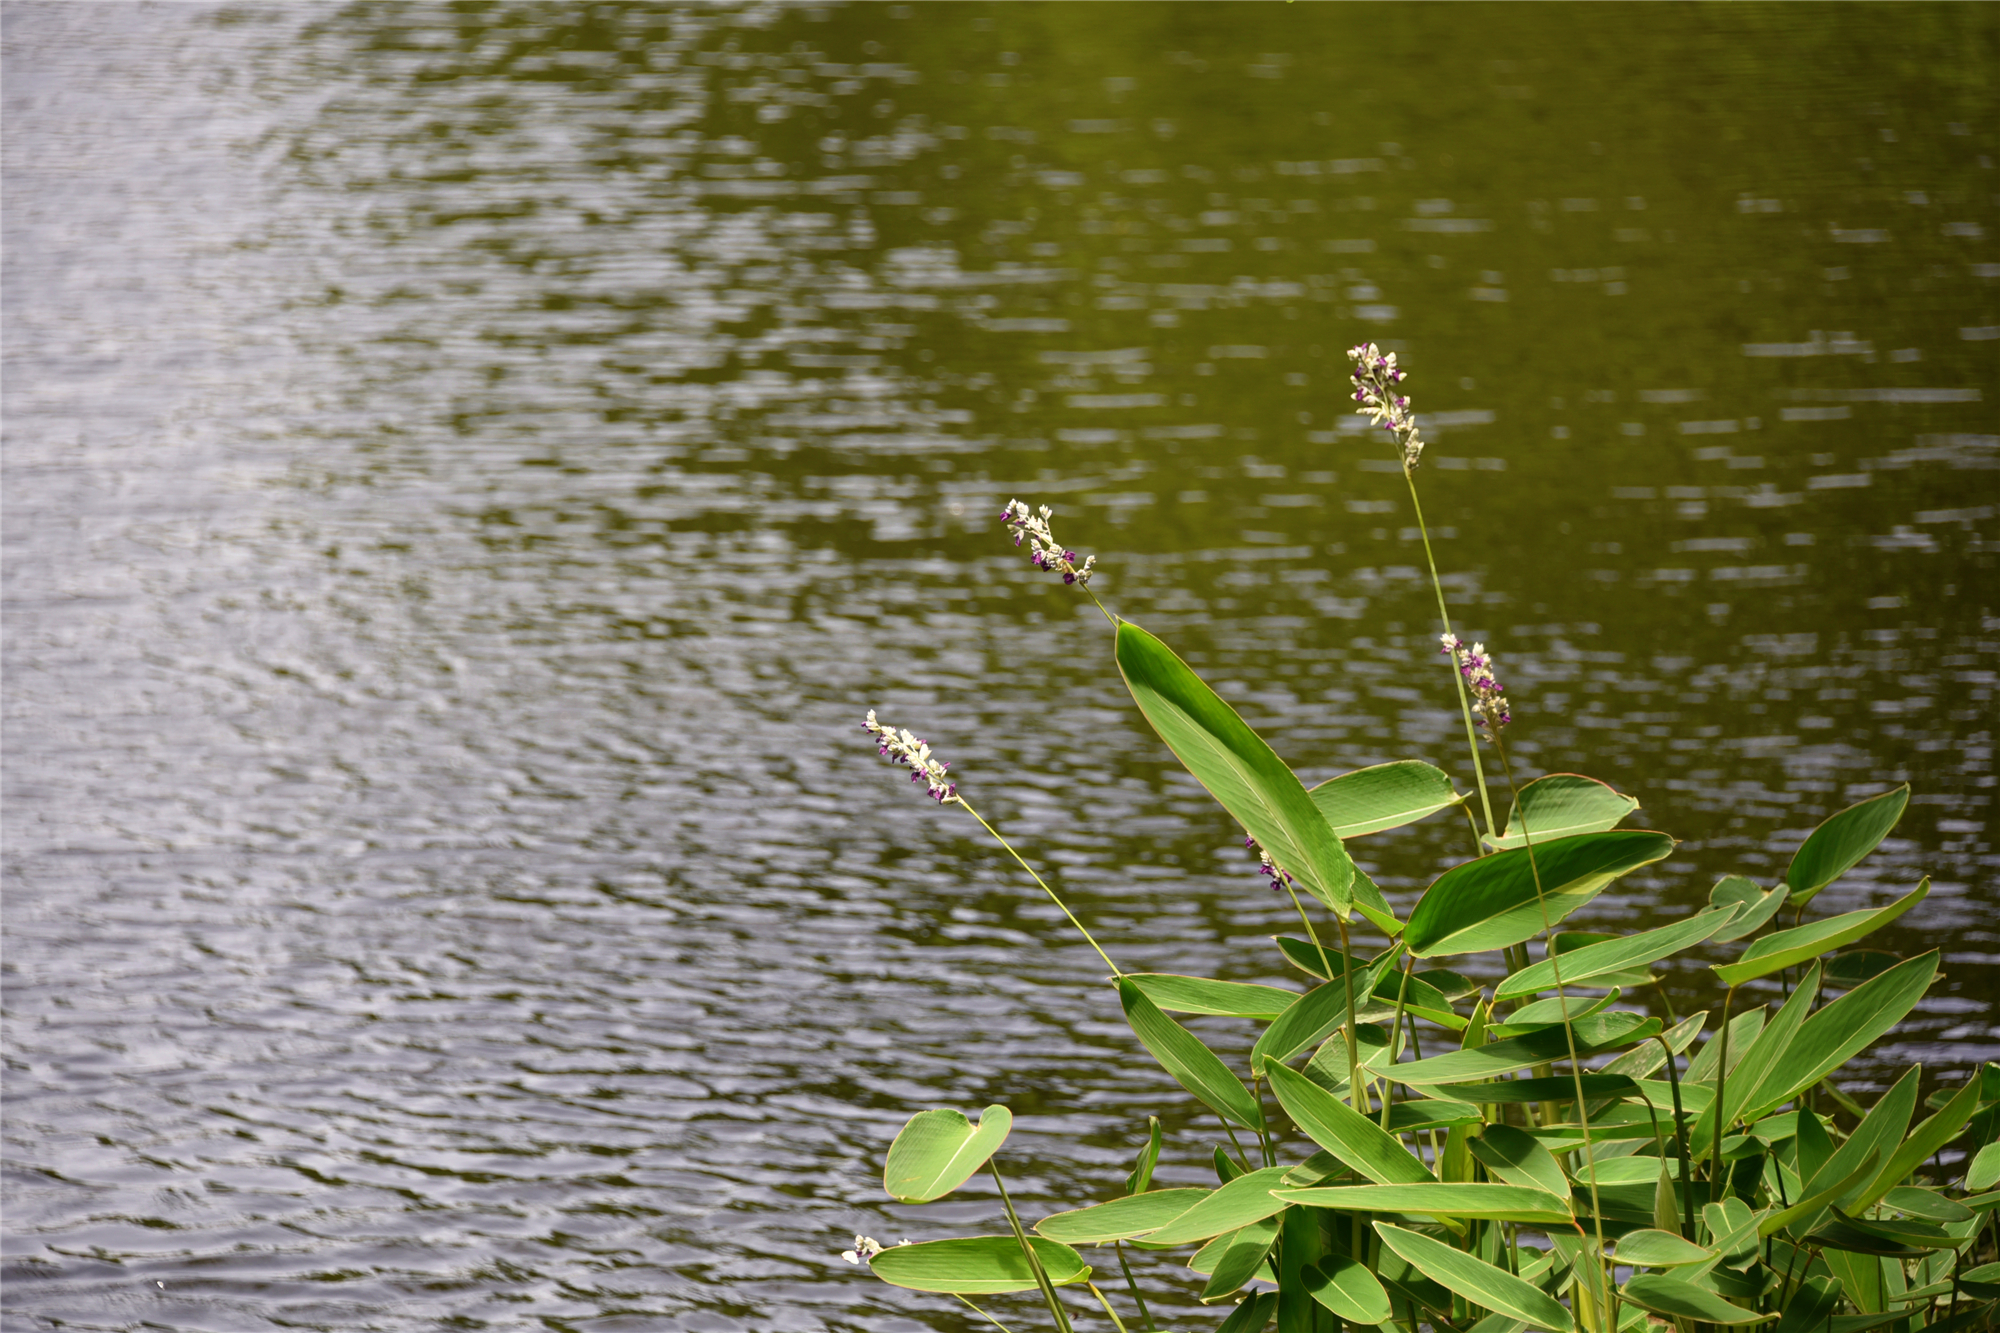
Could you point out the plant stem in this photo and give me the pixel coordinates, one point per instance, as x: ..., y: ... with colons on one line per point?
x: 1395, y: 1031
x: 1721, y: 1088
x: 1034, y: 1261
x: 1045, y: 888
x: 983, y: 1315
x: 1132, y: 1285
x: 1681, y: 1142
x: 1107, y: 1306
x: 1464, y: 700
x: 1355, y: 1095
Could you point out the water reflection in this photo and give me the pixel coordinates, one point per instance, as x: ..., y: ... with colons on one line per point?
x: 456, y: 514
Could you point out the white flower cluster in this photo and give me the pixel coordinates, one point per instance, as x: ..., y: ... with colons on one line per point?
x: 914, y: 752
x: 1375, y: 381
x: 1477, y: 667
x: 1043, y: 547
x: 865, y: 1248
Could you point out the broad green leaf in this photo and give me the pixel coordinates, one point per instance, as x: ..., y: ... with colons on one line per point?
x: 1753, y: 905
x: 1924, y: 1140
x: 1836, y: 846
x: 1621, y: 1171
x: 977, y: 1266
x: 1517, y: 1157
x: 1743, y: 1030
x: 1578, y: 966
x: 1879, y: 1132
x: 1839, y: 1232
x: 1385, y: 796
x: 1845, y: 971
x: 1927, y: 1203
x: 1253, y: 1315
x: 1457, y: 1201
x: 1810, y: 1306
x: 1984, y: 1172
x: 1350, y: 1136
x: 1759, y: 1063
x: 1569, y: 941
x: 1787, y: 947
x: 1349, y: 1290
x: 1450, y: 984
x: 1368, y: 901
x: 937, y: 1151
x: 1328, y: 1066
x: 1659, y: 1249
x: 1532, y: 1017
x: 1475, y: 1279
x: 1823, y: 1196
x: 1141, y: 1178
x: 1236, y: 1205
x: 1562, y: 805
x: 1236, y: 766
x: 1904, y: 1231
x: 1673, y: 1297
x: 1829, y: 1037
x: 1318, y: 960
x: 1200, y: 995
x: 1515, y: 1053
x: 1318, y: 1012
x: 1121, y: 1219
x: 1492, y: 903
x: 1192, y: 1064
x: 1242, y: 1255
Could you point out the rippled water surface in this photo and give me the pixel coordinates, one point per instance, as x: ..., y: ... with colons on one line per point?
x: 468, y: 469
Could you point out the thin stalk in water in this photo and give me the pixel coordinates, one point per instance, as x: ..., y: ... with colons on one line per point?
x: 1132, y: 1285
x: 1053, y: 895
x: 1347, y: 978
x: 983, y: 1315
x: 1048, y: 1289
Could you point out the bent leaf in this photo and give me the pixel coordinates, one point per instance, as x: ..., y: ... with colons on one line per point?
x: 937, y: 1151
x: 1192, y: 1064
x: 1836, y: 846
x: 1236, y: 1205
x: 1348, y: 1289
x: 1673, y: 1297
x: 1254, y: 1315
x: 1317, y: 1013
x: 1235, y: 1258
x: 1492, y: 903
x: 1356, y: 1140
x: 1796, y: 945
x: 1141, y: 1178
x: 1200, y: 995
x: 1236, y: 766
x: 1561, y: 805
x: 1754, y: 906
x: 1121, y: 1219
x: 1518, y: 1157
x: 1385, y: 796
x: 1659, y: 1249
x: 1829, y: 1037
x: 1578, y: 966
x: 1475, y: 1279
x: 977, y: 1266
x: 1499, y: 1203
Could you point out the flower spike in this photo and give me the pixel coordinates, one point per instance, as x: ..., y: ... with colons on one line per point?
x: 1477, y: 667
x: 1375, y: 380
x: 1044, y: 551
x: 914, y: 752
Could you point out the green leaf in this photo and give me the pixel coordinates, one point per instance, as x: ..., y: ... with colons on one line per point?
x: 1556, y: 1088
x: 1316, y: 1014
x: 1500, y: 1203
x: 1475, y: 1279
x: 1350, y: 1136
x: 1349, y: 1290
x: 1516, y: 1053
x: 1810, y: 1307
x: 1927, y: 1203
x: 1531, y: 1017
x: 1121, y: 1219
x: 1562, y: 805
x: 1829, y: 1037
x: 1673, y: 1297
x: 1659, y: 1249
x: 1836, y: 846
x: 1141, y: 1178
x: 1753, y: 905
x: 1787, y: 947
x: 1242, y: 1255
x: 1758, y: 1064
x: 1578, y: 966
x: 1491, y: 903
x: 1385, y: 796
x: 1200, y: 995
x: 1236, y: 766
x: 1253, y: 1315
x: 1923, y: 1141
x: 1822, y: 1196
x: 1845, y: 971
x: 979, y: 1265
x: 937, y: 1151
x: 1236, y: 1205
x: 1192, y: 1064
x: 1518, y: 1157
x: 1984, y: 1172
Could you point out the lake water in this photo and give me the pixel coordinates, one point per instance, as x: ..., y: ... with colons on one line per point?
x: 468, y: 470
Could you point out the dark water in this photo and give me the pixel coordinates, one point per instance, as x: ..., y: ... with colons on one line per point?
x: 467, y: 471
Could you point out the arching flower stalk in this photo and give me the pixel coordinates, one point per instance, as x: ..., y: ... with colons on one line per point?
x: 1044, y: 550
x: 1375, y: 379
x: 914, y: 752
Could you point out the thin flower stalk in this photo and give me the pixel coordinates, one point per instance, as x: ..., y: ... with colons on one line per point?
x: 914, y: 753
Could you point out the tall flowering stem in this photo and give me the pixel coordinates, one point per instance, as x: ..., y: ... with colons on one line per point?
x: 1045, y: 552
x: 1376, y: 377
x: 914, y: 753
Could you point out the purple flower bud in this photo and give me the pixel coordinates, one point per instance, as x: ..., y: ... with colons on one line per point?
x: 1069, y: 578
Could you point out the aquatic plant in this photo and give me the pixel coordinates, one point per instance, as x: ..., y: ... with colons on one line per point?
x: 1567, y: 1161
